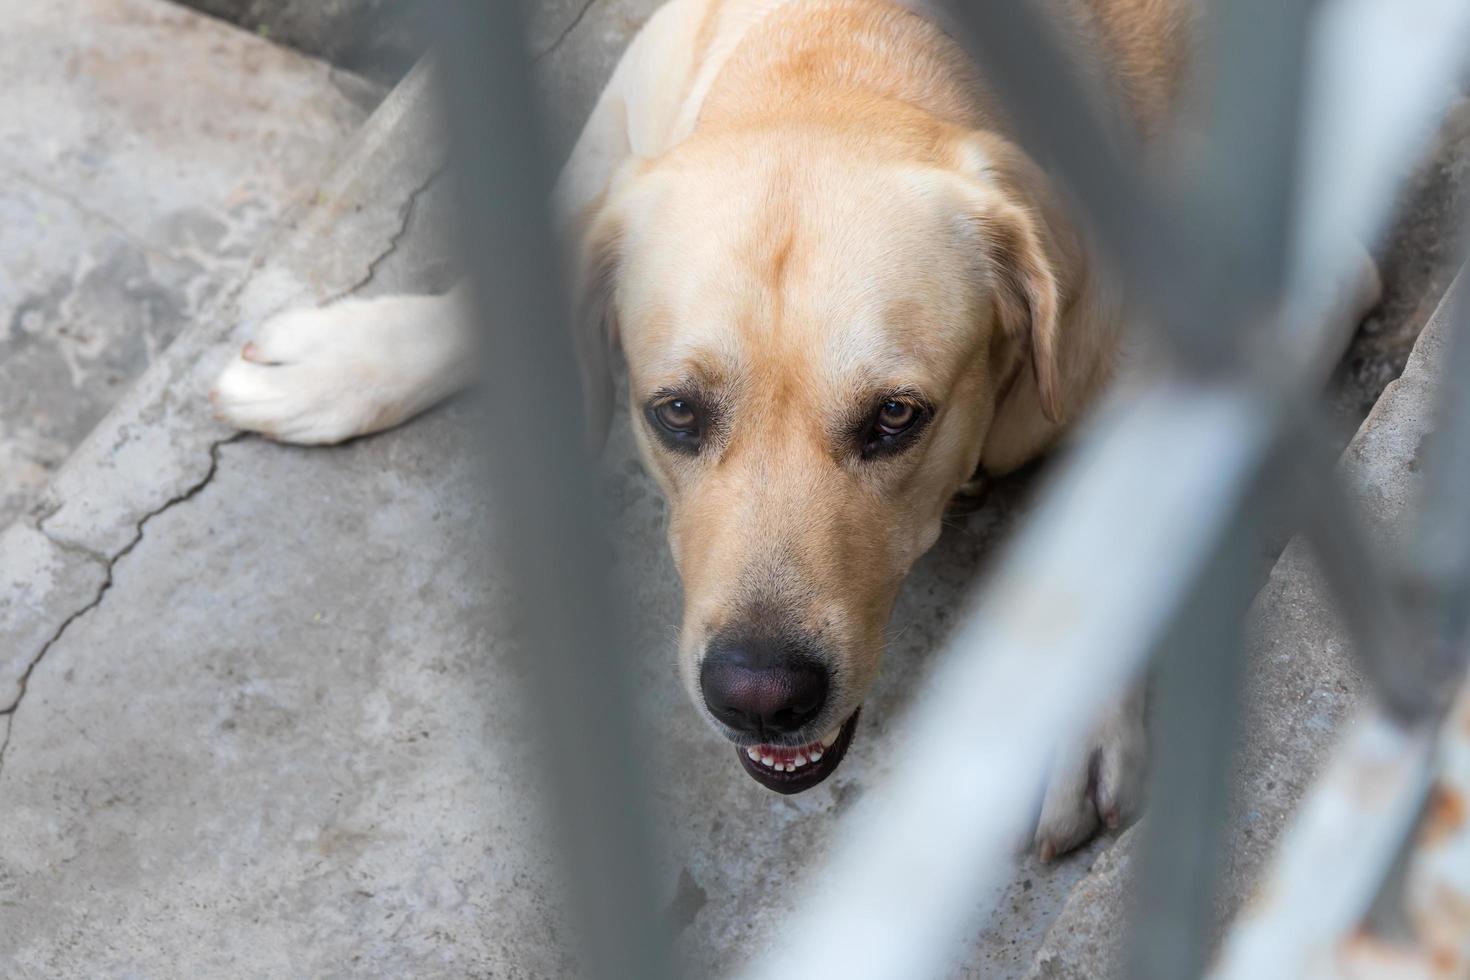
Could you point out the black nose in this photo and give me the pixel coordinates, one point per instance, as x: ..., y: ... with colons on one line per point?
x: 762, y: 691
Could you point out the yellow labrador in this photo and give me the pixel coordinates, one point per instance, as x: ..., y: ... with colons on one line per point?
x: 840, y: 290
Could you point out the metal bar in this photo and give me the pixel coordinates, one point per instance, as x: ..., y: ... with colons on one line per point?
x: 1243, y: 195
x: 1244, y: 185
x: 1071, y: 125
x: 1333, y: 860
x: 1379, y: 77
x: 549, y: 537
x: 1196, y: 695
x: 1437, y: 889
x: 983, y: 729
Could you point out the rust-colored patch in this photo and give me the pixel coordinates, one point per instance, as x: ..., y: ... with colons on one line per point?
x: 1443, y: 818
x: 1445, y: 963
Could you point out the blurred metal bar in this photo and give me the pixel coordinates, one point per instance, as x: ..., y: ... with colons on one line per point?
x: 1437, y: 889
x: 1116, y: 546
x: 1196, y: 692
x: 1071, y: 124
x: 548, y: 529
x: 1332, y: 862
x: 1245, y: 182
x: 1379, y: 76
x: 1241, y: 193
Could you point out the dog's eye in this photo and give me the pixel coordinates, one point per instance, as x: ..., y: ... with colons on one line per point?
x: 678, y: 415
x: 895, y: 417
x: 894, y: 426
x: 678, y: 422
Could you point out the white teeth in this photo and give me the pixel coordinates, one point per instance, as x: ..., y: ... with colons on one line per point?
x: 827, y: 740
x: 800, y: 760
x: 816, y: 755
x: 754, y: 755
x: 766, y: 760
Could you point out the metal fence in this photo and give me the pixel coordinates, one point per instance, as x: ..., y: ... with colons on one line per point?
x: 1312, y: 109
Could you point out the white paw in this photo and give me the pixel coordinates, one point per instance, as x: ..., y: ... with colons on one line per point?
x: 324, y: 375
x: 1095, y: 784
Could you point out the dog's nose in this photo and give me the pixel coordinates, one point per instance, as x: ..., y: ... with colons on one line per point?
x: 762, y: 692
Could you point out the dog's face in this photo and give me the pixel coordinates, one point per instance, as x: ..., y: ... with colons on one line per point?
x: 817, y: 342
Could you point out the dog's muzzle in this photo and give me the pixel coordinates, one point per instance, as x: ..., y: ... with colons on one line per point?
x: 792, y: 769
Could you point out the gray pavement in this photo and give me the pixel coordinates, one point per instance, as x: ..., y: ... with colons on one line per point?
x: 261, y: 728
x: 145, y: 155
x: 265, y: 723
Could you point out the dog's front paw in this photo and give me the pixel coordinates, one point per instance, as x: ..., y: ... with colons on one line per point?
x: 324, y: 375
x: 1095, y: 784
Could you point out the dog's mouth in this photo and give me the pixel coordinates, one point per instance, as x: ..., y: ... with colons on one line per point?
x: 791, y: 769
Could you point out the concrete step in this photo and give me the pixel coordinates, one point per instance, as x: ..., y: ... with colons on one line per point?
x: 146, y: 153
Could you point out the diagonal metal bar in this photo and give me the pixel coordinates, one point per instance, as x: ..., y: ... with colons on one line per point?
x: 1071, y: 124
x: 984, y: 729
x: 549, y: 538
x: 1341, y: 845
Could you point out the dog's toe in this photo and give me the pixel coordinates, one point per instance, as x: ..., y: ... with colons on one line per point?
x: 325, y: 375
x: 1097, y: 783
x: 287, y: 402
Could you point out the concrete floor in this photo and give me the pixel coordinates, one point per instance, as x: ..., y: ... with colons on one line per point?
x: 256, y: 700
x: 265, y: 718
x: 145, y: 154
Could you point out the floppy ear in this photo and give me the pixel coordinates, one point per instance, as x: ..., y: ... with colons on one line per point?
x: 1026, y: 294
x: 594, y: 318
x: 1044, y: 299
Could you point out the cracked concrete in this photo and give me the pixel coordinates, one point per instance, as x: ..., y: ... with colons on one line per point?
x: 107, y: 564
x: 134, y: 188
x: 544, y: 50
x: 286, y: 700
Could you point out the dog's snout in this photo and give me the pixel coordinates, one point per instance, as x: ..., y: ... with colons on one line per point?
x: 760, y: 691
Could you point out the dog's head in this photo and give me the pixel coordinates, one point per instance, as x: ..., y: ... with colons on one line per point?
x: 826, y: 334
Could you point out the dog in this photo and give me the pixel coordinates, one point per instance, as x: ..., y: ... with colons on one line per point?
x: 841, y: 290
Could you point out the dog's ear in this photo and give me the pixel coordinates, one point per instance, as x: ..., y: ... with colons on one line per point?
x: 597, y: 256
x: 1042, y: 296
x: 1027, y: 296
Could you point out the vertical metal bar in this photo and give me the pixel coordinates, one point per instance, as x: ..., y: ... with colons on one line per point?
x: 1070, y: 122
x: 1196, y: 693
x: 1243, y: 197
x: 548, y: 527
x: 1245, y: 182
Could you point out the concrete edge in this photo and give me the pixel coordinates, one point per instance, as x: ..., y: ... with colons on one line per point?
x: 160, y: 445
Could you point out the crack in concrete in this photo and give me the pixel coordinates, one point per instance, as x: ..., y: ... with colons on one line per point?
x: 566, y: 32
x: 109, y: 564
x: 405, y: 218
